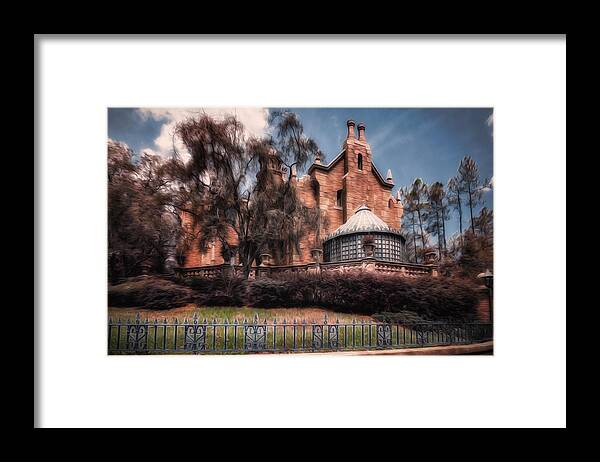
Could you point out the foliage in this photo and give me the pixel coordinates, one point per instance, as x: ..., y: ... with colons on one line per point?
x: 219, y: 291
x: 471, y: 184
x: 436, y: 214
x: 366, y: 293
x: 142, y: 231
x: 149, y: 292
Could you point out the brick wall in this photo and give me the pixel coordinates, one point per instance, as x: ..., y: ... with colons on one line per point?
x: 483, y: 308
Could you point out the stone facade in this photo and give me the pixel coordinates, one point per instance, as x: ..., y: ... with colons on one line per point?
x: 347, y: 182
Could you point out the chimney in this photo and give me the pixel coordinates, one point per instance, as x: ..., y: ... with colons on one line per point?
x: 361, y: 131
x: 293, y: 172
x: 318, y: 158
x: 388, y: 177
x: 398, y: 196
x: 350, y: 124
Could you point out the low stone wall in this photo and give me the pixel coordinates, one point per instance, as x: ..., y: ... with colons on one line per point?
x: 364, y: 264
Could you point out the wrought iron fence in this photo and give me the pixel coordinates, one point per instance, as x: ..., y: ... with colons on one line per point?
x: 254, y: 336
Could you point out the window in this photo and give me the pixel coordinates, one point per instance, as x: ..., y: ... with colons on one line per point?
x: 338, y: 198
x: 360, y: 165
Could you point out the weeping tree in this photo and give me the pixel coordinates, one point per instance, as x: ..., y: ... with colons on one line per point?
x: 292, y: 150
x: 233, y: 189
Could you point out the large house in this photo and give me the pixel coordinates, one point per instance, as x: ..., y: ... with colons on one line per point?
x: 355, y: 200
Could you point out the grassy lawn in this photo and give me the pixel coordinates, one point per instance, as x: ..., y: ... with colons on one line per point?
x: 215, y: 337
x: 239, y: 313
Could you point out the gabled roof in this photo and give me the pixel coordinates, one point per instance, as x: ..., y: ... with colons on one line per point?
x: 338, y: 158
x: 380, y: 178
x: 328, y: 166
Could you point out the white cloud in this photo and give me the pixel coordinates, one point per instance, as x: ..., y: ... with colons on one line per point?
x: 253, y: 119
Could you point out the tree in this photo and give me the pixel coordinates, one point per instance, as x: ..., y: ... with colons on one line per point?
x: 233, y: 187
x: 418, y: 192
x: 436, y: 214
x: 142, y: 230
x: 454, y: 192
x: 468, y: 177
x: 484, y: 225
x: 409, y: 217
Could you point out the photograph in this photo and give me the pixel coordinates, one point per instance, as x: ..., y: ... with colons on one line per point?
x: 301, y: 230
x: 245, y: 228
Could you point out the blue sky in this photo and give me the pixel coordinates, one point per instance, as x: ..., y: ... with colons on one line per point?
x: 427, y: 143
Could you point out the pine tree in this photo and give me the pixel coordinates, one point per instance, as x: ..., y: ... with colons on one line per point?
x: 418, y: 192
x: 468, y: 177
x: 455, y: 200
x: 436, y: 214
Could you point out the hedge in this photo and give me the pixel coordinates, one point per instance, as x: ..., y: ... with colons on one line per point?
x: 149, y: 292
x: 367, y: 293
x: 362, y: 293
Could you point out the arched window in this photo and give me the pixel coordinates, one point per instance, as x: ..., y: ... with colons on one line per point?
x: 360, y: 165
x: 390, y: 203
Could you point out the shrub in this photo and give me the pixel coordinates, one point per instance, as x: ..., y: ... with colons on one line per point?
x: 269, y: 293
x: 410, y: 300
x: 149, y: 292
x: 368, y: 293
x: 219, y: 291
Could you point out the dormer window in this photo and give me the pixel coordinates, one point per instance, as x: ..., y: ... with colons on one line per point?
x: 360, y: 163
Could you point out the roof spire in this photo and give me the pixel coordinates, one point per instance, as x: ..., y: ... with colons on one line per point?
x: 318, y: 158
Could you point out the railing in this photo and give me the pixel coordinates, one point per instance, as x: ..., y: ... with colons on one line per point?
x: 406, y: 269
x: 254, y: 336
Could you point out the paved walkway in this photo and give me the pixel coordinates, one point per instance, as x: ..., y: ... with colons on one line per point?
x: 472, y: 349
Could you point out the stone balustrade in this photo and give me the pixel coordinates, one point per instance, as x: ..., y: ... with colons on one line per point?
x: 364, y: 264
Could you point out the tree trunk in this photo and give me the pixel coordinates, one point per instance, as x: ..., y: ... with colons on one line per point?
x: 459, y: 216
x: 414, y: 236
x: 421, y: 225
x: 439, y: 232
x: 471, y: 210
x: 444, y: 230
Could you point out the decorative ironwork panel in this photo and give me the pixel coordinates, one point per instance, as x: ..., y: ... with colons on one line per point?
x: 137, y: 335
x: 195, y: 337
x: 384, y: 335
x: 317, y: 336
x: 332, y: 336
x: 255, y: 337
